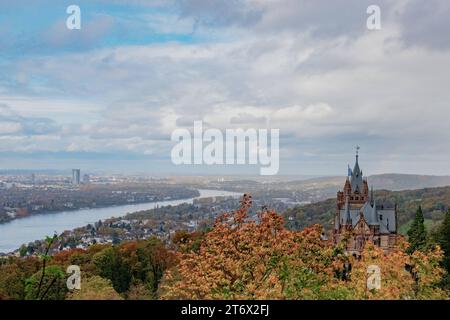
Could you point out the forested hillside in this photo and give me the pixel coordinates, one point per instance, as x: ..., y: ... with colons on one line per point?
x: 434, y: 202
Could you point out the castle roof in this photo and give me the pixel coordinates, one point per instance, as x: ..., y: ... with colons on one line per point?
x: 374, y: 216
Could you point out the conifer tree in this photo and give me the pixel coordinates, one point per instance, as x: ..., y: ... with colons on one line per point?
x: 443, y: 238
x: 417, y: 235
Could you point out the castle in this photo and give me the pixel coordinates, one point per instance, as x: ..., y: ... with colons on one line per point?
x: 360, y: 218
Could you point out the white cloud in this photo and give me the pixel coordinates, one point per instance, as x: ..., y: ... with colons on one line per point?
x: 325, y: 89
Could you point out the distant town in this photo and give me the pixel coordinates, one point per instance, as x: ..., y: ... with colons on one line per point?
x: 24, y: 195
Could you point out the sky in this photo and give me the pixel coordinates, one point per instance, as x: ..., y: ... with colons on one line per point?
x: 108, y: 96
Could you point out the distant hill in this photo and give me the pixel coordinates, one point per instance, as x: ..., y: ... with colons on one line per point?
x: 434, y: 202
x: 395, y: 182
x: 388, y: 181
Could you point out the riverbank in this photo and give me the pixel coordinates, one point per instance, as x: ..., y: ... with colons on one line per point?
x: 22, y: 231
x: 138, y: 202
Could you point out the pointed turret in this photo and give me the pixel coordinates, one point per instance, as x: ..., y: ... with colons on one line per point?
x: 357, y: 178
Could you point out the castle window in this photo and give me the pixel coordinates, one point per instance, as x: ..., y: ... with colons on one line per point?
x: 381, y: 217
x: 351, y: 198
x: 357, y: 198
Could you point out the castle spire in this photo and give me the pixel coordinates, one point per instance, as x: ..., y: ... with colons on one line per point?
x: 357, y: 179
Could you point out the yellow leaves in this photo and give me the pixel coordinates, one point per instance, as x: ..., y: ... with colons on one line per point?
x: 241, y: 258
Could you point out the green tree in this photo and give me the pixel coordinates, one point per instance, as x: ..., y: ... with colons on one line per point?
x: 110, y: 265
x: 23, y: 250
x: 153, y: 260
x: 417, y: 235
x: 443, y: 239
x: 52, y: 286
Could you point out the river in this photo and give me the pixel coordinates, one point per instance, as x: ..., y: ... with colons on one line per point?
x: 24, y: 230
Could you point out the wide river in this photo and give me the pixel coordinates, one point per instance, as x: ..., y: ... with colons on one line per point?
x: 24, y: 230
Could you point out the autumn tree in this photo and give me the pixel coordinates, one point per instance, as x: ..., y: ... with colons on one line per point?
x: 13, y: 273
x: 245, y: 257
x: 185, y: 241
x: 255, y: 257
x: 402, y: 276
x: 242, y: 257
x: 12, y: 282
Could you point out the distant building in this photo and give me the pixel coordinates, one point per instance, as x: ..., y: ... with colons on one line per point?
x: 76, y: 176
x: 360, y: 218
x: 86, y: 179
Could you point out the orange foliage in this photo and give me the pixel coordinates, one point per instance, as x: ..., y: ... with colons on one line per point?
x: 63, y: 258
x: 247, y: 258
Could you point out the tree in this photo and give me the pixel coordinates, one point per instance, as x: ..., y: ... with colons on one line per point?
x: 402, y: 275
x: 443, y: 239
x: 417, y: 235
x: 12, y: 284
x: 186, y: 241
x: 50, y: 285
x: 241, y: 258
x: 153, y: 260
x: 246, y: 257
x: 23, y: 250
x: 110, y: 265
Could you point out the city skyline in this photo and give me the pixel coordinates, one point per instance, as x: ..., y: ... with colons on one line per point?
x: 108, y: 96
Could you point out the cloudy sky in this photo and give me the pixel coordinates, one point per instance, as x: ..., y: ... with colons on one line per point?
x: 108, y: 96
